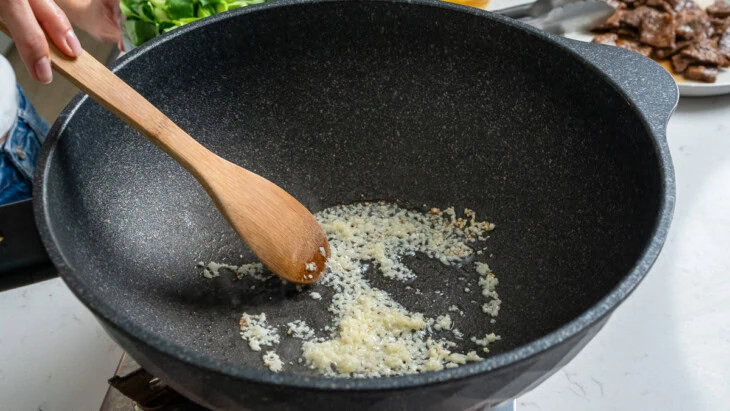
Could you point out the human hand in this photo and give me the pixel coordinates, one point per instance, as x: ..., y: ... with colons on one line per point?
x: 100, y: 18
x: 26, y: 21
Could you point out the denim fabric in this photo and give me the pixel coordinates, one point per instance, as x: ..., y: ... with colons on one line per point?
x: 19, y: 152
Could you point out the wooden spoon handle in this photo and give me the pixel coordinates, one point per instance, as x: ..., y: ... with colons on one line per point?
x: 92, y: 77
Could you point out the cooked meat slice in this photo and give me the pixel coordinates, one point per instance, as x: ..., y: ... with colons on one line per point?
x: 669, y: 52
x: 662, y: 54
x: 606, y: 38
x: 608, y: 25
x: 634, y: 17
x: 634, y: 46
x: 623, y: 17
x: 720, y: 9
x: 629, y: 17
x: 665, y: 5
x: 693, y: 24
x: 669, y: 5
x: 657, y: 29
x: 719, y: 26
x: 704, y: 52
x: 614, y: 21
x: 627, y: 32
x: 701, y: 73
x: 680, y: 63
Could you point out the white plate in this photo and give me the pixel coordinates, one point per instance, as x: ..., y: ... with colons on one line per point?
x: 687, y: 88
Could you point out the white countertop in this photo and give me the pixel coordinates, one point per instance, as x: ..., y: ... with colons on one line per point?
x: 666, y: 348
x: 54, y: 355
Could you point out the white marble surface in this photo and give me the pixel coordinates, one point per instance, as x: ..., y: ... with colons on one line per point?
x: 54, y: 356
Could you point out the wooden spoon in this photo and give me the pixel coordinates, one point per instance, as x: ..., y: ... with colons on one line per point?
x: 278, y: 228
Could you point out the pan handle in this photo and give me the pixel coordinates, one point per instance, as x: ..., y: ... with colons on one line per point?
x: 647, y: 85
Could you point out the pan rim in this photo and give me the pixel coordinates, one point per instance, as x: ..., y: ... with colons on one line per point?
x: 590, y: 316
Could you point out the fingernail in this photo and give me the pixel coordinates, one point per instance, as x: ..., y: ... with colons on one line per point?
x: 42, y: 69
x: 73, y: 43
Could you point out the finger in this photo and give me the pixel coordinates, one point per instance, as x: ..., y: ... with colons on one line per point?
x: 28, y: 37
x: 56, y: 25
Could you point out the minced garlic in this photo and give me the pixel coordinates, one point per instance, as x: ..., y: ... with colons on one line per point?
x: 256, y: 330
x: 371, y: 334
x: 272, y: 360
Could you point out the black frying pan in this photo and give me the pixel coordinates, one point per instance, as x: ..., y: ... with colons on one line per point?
x: 560, y: 143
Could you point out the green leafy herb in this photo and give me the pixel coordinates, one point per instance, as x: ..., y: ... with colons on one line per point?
x: 140, y: 31
x: 146, y: 19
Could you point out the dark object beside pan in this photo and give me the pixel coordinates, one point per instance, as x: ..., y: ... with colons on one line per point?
x: 561, y: 144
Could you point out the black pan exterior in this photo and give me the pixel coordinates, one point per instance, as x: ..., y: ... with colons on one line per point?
x: 560, y: 143
x: 222, y: 392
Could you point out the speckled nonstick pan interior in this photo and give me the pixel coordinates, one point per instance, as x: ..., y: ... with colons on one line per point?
x: 560, y: 144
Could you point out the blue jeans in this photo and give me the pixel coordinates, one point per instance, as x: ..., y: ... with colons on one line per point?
x: 19, y: 152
